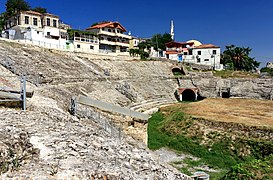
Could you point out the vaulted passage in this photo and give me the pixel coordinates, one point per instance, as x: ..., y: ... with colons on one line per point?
x: 188, y: 95
x: 177, y: 71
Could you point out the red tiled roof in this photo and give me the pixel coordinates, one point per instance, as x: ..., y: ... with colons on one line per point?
x: 108, y: 24
x: 205, y: 46
x: 171, y: 52
x: 40, y: 14
x: 51, y: 15
x: 33, y: 12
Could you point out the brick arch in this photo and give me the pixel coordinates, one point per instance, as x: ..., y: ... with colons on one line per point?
x: 187, y: 94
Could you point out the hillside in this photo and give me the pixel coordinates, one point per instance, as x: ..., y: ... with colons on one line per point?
x: 46, y: 142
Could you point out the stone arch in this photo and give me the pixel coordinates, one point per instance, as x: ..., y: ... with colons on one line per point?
x: 177, y: 71
x: 188, y: 95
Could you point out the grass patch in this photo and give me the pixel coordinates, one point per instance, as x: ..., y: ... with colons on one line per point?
x: 171, y: 127
x: 161, y: 134
x: 234, y: 74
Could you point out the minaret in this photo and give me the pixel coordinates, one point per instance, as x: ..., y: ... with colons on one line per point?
x: 172, y: 30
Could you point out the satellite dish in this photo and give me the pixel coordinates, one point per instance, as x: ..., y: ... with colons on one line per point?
x: 188, y: 47
x: 129, y: 33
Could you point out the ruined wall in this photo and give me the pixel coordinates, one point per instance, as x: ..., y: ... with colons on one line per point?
x: 257, y: 88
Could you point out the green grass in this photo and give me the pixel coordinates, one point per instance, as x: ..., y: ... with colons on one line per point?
x: 157, y: 138
x: 234, y: 74
x: 174, y: 129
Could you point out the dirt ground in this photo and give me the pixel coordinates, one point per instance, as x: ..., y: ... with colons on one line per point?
x: 247, y: 111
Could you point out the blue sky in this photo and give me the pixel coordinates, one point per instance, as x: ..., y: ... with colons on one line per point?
x: 247, y: 23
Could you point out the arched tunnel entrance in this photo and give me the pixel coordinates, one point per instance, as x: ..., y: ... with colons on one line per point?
x: 188, y: 95
x: 177, y: 71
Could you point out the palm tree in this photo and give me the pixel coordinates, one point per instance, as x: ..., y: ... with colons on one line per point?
x: 237, y: 58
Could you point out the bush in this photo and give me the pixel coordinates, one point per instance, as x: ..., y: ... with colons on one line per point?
x: 268, y: 70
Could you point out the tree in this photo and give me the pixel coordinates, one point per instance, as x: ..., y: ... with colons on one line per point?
x: 13, y: 6
x: 159, y: 41
x: 40, y: 10
x: 237, y: 58
x: 2, y: 21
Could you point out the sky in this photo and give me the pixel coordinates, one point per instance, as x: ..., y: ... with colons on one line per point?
x: 245, y: 23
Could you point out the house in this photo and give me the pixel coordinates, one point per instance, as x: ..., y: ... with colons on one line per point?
x: 111, y: 36
x: 269, y: 65
x: 36, y: 27
x: 195, y: 52
x: 175, y: 50
x: 83, y: 41
x: 133, y: 43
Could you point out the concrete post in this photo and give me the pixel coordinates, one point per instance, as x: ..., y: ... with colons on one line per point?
x: 196, y: 96
x: 180, y: 97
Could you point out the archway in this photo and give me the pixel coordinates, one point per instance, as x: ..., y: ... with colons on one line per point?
x: 188, y: 95
x: 177, y: 71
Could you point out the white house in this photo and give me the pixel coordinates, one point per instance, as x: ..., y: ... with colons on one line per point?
x: 111, y: 36
x: 41, y: 29
x: 195, y: 52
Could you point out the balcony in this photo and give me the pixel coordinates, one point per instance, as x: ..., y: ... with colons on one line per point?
x: 87, y: 40
x: 101, y: 32
x: 113, y: 43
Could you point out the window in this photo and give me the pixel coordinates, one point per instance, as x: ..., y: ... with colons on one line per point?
x: 198, y: 60
x: 190, y: 52
x: 35, y: 21
x: 26, y: 19
x: 109, y: 30
x: 103, y: 29
x: 38, y: 32
x: 54, y: 23
x: 185, y: 53
x: 47, y: 21
x: 199, y: 52
x: 91, y: 47
x: 206, y: 59
x: 214, y: 52
x: 78, y: 46
x: 48, y: 33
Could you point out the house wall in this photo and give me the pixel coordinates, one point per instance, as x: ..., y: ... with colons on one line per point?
x: 23, y: 16
x: 206, y: 58
x: 86, y: 47
x: 52, y: 30
x: 173, y: 56
x: 51, y: 18
x: 133, y: 43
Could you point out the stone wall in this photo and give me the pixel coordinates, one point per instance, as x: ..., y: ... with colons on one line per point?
x: 257, y: 88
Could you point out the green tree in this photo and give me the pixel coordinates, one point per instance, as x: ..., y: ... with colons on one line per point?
x: 13, y: 6
x: 2, y: 21
x: 40, y: 10
x: 147, y: 44
x: 237, y: 58
x: 159, y: 41
x: 268, y: 70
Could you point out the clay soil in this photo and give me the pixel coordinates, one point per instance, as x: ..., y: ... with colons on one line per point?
x: 246, y: 111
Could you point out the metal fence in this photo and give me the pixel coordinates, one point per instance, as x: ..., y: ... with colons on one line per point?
x: 81, y: 106
x: 105, y: 123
